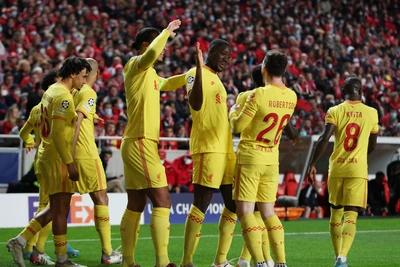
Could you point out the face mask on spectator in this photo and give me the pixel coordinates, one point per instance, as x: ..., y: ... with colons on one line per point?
x: 162, y: 161
x: 330, y: 66
x: 319, y: 101
x: 75, y: 35
x: 109, y: 53
x: 369, y: 85
x: 121, y: 105
x: 42, y: 50
x: 20, y: 50
x: 14, y: 13
x: 303, y: 133
x: 108, y: 111
x: 58, y: 45
x: 231, y: 102
x: 393, y: 115
x: 17, y: 92
x: 290, y: 62
x: 294, y: 121
x: 4, y: 92
x: 187, y: 160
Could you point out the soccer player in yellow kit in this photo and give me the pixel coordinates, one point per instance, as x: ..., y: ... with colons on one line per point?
x: 211, y: 148
x: 55, y: 161
x: 293, y: 135
x: 261, y: 122
x: 144, y: 173
x: 34, y: 249
x: 355, y: 127
x: 86, y: 157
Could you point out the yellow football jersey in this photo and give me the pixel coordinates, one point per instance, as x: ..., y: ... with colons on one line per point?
x: 210, y: 128
x: 85, y: 102
x: 33, y: 123
x: 57, y: 105
x: 270, y: 108
x: 354, y: 123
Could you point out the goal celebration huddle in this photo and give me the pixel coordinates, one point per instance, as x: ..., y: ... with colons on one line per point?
x: 67, y: 158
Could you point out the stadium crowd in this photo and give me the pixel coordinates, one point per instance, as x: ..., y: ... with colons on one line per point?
x: 326, y: 41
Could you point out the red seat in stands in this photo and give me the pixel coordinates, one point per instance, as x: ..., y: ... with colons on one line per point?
x: 291, y: 184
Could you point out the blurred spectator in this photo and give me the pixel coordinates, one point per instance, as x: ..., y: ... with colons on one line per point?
x: 171, y: 144
x: 378, y: 195
x: 184, y: 169
x: 11, y: 119
x: 311, y: 197
x: 114, y: 184
x: 181, y: 133
x: 169, y: 170
x: 325, y: 43
x: 109, y: 130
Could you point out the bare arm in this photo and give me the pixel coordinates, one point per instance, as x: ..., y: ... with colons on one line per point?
x: 372, y: 142
x: 319, y: 150
x: 77, y: 131
x: 292, y: 133
x: 196, y: 94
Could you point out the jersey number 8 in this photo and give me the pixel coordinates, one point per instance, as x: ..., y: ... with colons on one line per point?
x: 351, y: 140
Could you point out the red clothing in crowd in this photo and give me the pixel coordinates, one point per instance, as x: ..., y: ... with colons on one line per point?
x: 170, y: 173
x: 183, y: 172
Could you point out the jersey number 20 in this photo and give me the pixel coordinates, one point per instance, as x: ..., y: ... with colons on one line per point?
x: 351, y: 140
x: 275, y: 118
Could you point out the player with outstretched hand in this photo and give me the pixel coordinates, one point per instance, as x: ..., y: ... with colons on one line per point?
x: 355, y: 127
x: 144, y: 174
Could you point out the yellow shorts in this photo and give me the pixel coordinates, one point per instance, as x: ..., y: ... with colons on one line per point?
x: 43, y: 191
x: 55, y: 173
x: 213, y: 169
x: 348, y: 191
x: 142, y: 164
x: 256, y: 183
x: 91, y: 175
x: 229, y: 169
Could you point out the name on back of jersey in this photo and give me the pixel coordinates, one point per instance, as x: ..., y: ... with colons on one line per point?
x: 354, y: 114
x: 347, y: 160
x: 281, y: 104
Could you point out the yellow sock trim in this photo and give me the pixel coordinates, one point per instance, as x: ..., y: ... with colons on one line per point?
x: 264, y: 236
x: 251, y: 232
x: 226, y: 226
x: 31, y: 230
x: 335, y: 229
x: 276, y: 237
x: 102, y: 223
x: 60, y: 243
x: 348, y: 232
x: 194, y: 222
x: 129, y: 229
x: 159, y: 228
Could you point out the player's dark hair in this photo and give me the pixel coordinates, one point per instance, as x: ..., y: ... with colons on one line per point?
x: 275, y: 62
x: 217, y: 45
x: 144, y: 35
x: 352, y: 85
x: 257, y: 77
x: 73, y: 65
x: 49, y: 79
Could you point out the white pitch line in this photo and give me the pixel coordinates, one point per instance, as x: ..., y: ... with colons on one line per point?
x: 216, y: 236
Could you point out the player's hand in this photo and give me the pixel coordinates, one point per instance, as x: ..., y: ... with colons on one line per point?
x: 173, y: 26
x: 177, y: 190
x: 311, y: 173
x: 73, y: 172
x: 295, y: 141
x: 234, y: 108
x: 28, y: 149
x: 199, y: 56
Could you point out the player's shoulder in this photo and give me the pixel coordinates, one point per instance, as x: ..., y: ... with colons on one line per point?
x: 369, y: 109
x: 191, y: 72
x: 130, y: 63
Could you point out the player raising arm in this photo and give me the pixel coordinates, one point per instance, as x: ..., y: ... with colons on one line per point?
x: 355, y: 127
x: 263, y: 118
x: 144, y: 173
x: 211, y: 148
x: 55, y: 160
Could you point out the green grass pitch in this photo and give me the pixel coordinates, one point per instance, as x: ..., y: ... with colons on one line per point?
x: 308, y: 243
